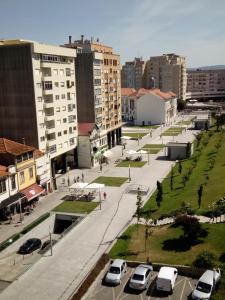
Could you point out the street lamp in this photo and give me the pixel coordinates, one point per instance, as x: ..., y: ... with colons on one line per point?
x: 129, y: 173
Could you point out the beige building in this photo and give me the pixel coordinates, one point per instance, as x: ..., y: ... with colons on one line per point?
x: 168, y: 73
x: 38, y: 98
x: 98, y: 87
x: 132, y: 74
x: 206, y: 84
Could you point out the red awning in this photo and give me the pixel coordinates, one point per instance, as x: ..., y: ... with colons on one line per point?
x: 33, y: 191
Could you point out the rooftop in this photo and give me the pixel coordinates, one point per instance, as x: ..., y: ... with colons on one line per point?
x: 13, y: 148
x: 85, y: 129
x: 156, y: 92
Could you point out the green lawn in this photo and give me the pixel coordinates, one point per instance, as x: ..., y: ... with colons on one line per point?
x: 132, y: 164
x: 152, y: 148
x: 146, y: 126
x: 76, y: 207
x: 134, y: 134
x: 187, y: 122
x: 172, y: 131
x: 163, y: 244
x: 207, y: 167
x: 111, y: 181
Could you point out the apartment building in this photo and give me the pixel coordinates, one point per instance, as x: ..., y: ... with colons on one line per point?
x: 132, y: 74
x: 38, y: 98
x: 98, y: 87
x: 168, y: 73
x: 206, y: 84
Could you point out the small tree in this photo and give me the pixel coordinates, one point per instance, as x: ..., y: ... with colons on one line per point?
x: 159, y: 193
x: 200, y: 191
x: 139, y: 203
x: 148, y: 222
x: 204, y: 260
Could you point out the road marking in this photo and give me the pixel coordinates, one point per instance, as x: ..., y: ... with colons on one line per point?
x: 121, y: 291
x: 124, y: 296
x: 181, y: 296
x: 178, y: 282
x: 113, y: 294
x: 190, y: 284
x: 141, y: 297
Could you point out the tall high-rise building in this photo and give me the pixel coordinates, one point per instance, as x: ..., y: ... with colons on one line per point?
x: 38, y: 98
x: 98, y: 87
x: 132, y: 73
x: 206, y: 84
x: 168, y: 73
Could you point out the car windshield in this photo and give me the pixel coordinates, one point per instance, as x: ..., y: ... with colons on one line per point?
x: 138, y: 277
x: 114, y: 270
x: 203, y: 287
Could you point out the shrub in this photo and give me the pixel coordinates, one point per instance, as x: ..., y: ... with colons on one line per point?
x: 204, y: 260
x: 9, y: 241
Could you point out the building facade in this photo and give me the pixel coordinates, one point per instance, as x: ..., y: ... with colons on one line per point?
x: 148, y: 107
x: 38, y: 97
x: 206, y: 84
x: 98, y: 87
x: 168, y: 73
x: 132, y: 74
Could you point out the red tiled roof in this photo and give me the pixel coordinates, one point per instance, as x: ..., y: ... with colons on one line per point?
x: 85, y: 128
x: 14, y: 148
x: 38, y: 153
x: 3, y: 171
x: 157, y: 92
x: 127, y: 91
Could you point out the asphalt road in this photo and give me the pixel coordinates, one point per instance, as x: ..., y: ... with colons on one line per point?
x: 98, y: 291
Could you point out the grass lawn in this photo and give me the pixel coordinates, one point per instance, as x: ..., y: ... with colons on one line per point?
x: 76, y: 207
x: 134, y: 134
x: 152, y: 148
x: 173, y: 131
x: 163, y: 244
x: 188, y: 122
x: 132, y: 163
x: 111, y: 181
x: 146, y: 126
x: 207, y: 167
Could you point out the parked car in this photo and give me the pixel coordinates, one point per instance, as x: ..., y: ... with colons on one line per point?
x: 206, y: 285
x: 29, y: 246
x: 116, y: 271
x: 141, y: 277
x: 46, y: 246
x: 166, y: 279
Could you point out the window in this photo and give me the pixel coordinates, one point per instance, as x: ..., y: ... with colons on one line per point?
x: 58, y: 122
x: 63, y: 96
x: 47, y: 85
x: 59, y: 146
x: 38, y: 85
x: 42, y: 138
x: 13, y: 182
x: 36, y: 56
x: 61, y: 72
x: 71, y: 130
x: 31, y: 173
x: 39, y: 99
x: 55, y: 72
x: 18, y: 159
x: 59, y: 133
x: 62, y: 84
x: 56, y: 97
x: 50, y: 58
x: 68, y: 72
x: 64, y: 108
x: 64, y: 120
x: 25, y: 156
x: 64, y: 131
x: 57, y: 109
x: 56, y: 84
x: 22, y: 178
x: 30, y: 155
x: 2, y: 186
x: 42, y: 125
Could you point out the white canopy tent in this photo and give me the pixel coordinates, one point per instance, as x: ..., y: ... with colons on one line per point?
x: 78, y: 185
x: 97, y: 186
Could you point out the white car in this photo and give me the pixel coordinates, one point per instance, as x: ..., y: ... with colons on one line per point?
x: 141, y: 277
x: 116, y: 272
x: 206, y: 285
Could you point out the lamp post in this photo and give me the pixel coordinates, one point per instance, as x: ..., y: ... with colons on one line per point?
x: 129, y: 173
x: 100, y: 199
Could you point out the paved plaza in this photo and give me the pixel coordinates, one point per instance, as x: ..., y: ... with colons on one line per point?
x: 57, y: 276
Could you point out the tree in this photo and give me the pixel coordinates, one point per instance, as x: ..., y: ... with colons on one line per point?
x: 139, y: 203
x: 148, y: 222
x: 159, y: 193
x: 220, y: 120
x: 188, y: 150
x: 190, y: 225
x: 204, y: 260
x: 180, y: 167
x: 200, y: 191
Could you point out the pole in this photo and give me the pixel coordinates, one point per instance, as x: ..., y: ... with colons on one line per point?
x: 129, y: 173
x: 100, y: 199
x: 21, y: 219
x: 50, y: 237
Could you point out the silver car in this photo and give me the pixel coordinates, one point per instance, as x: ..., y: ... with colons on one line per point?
x: 141, y: 277
x: 116, y: 272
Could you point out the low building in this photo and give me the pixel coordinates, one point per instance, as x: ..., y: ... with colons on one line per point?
x: 92, y: 142
x: 178, y: 151
x: 22, y: 158
x: 147, y: 107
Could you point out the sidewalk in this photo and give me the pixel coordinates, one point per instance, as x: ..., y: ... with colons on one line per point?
x: 57, y: 276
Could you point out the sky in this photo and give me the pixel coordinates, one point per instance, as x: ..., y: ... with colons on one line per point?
x: 134, y: 28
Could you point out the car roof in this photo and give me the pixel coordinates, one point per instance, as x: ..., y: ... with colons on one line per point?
x: 32, y: 240
x: 166, y: 272
x: 207, y: 277
x: 141, y: 269
x: 117, y: 262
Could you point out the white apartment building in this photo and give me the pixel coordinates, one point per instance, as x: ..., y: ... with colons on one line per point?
x: 205, y: 84
x: 148, y: 107
x: 168, y: 73
x: 38, y: 97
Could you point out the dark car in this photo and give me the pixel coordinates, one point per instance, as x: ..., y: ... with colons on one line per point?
x: 46, y: 246
x: 29, y: 246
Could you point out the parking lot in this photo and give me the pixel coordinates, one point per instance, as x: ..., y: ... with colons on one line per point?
x: 99, y: 291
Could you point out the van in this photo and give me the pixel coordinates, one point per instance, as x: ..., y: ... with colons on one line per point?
x: 206, y: 284
x: 166, y: 279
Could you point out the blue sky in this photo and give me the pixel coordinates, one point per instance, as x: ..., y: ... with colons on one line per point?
x: 194, y: 28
